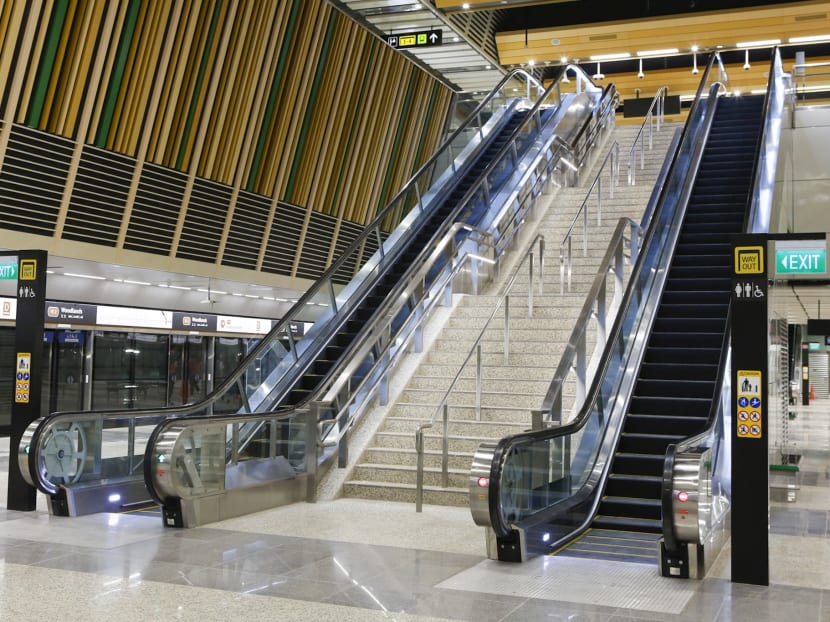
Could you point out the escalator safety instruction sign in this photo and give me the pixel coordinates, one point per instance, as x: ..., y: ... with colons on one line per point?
x: 22, y: 379
x: 748, y: 421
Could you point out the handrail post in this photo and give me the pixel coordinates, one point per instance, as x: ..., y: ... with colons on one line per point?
x: 570, y: 263
x: 584, y: 233
x: 541, y: 265
x: 478, y: 382
x: 618, y: 275
x: 530, y: 289
x: 506, y: 329
x: 419, y: 470
x: 581, y: 370
x: 601, y: 315
x: 445, y: 448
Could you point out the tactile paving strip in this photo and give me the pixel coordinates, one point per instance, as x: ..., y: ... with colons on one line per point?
x: 590, y: 582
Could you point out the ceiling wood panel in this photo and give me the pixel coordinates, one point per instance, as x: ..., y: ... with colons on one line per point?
x: 706, y: 30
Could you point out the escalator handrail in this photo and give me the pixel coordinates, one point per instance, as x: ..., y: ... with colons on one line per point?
x: 506, y: 444
x: 715, y: 416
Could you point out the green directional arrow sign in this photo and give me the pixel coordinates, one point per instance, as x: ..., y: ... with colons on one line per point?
x: 801, y: 261
x: 8, y: 271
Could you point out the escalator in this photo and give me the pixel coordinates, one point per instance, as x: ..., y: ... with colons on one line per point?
x: 676, y: 383
x: 602, y: 486
x: 269, y: 422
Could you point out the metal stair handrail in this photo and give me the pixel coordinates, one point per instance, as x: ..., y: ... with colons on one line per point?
x: 654, y: 115
x: 612, y: 158
x: 443, y: 405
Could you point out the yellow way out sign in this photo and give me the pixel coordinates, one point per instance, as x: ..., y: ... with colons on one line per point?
x: 749, y: 260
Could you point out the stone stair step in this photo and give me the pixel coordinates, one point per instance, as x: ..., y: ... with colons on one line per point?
x: 492, y: 385
x: 399, y: 474
x: 458, y: 497
x: 409, y: 457
x: 432, y: 441
x: 456, y: 427
x: 468, y: 398
x: 462, y: 413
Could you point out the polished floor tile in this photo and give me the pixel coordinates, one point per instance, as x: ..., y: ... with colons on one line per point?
x: 348, y: 560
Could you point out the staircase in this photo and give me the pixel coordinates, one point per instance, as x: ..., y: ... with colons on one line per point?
x: 676, y: 382
x: 386, y: 468
x: 306, y: 385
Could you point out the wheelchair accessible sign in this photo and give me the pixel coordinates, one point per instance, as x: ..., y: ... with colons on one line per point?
x: 749, y: 404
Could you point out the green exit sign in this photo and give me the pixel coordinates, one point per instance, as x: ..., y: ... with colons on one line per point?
x: 8, y: 271
x: 801, y: 261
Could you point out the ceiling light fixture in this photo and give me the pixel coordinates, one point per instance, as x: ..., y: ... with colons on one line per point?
x: 641, y: 75
x: 617, y: 56
x: 758, y: 44
x: 85, y: 276
x: 664, y: 52
x: 695, y: 70
x: 599, y: 75
x: 746, y: 60
x: 811, y: 39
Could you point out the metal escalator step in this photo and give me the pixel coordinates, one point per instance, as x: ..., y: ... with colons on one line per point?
x: 687, y: 339
x: 675, y: 425
x: 631, y: 507
x: 616, y: 522
x: 677, y: 388
x: 688, y: 371
x: 676, y: 323
x: 633, y: 463
x: 679, y: 405
x: 683, y: 355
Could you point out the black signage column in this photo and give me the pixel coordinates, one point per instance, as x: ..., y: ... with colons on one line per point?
x: 805, y: 374
x: 28, y: 366
x: 750, y: 475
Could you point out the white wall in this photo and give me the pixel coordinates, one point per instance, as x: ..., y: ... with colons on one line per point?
x: 802, y: 192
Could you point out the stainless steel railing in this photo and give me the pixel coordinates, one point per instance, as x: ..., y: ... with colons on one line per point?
x: 653, y: 118
x: 443, y: 406
x: 611, y: 161
x: 575, y: 357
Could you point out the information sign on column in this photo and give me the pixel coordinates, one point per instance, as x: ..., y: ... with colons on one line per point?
x: 750, y: 512
x: 23, y: 373
x: 28, y: 367
x: 749, y: 420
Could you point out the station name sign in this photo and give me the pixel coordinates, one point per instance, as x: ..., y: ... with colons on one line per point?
x: 420, y: 39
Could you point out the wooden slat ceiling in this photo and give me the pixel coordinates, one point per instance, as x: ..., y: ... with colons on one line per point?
x: 707, y: 31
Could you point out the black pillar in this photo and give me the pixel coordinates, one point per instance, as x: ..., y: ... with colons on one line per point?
x: 28, y: 367
x: 750, y: 474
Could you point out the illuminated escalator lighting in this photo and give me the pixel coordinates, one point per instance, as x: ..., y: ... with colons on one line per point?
x: 682, y: 496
